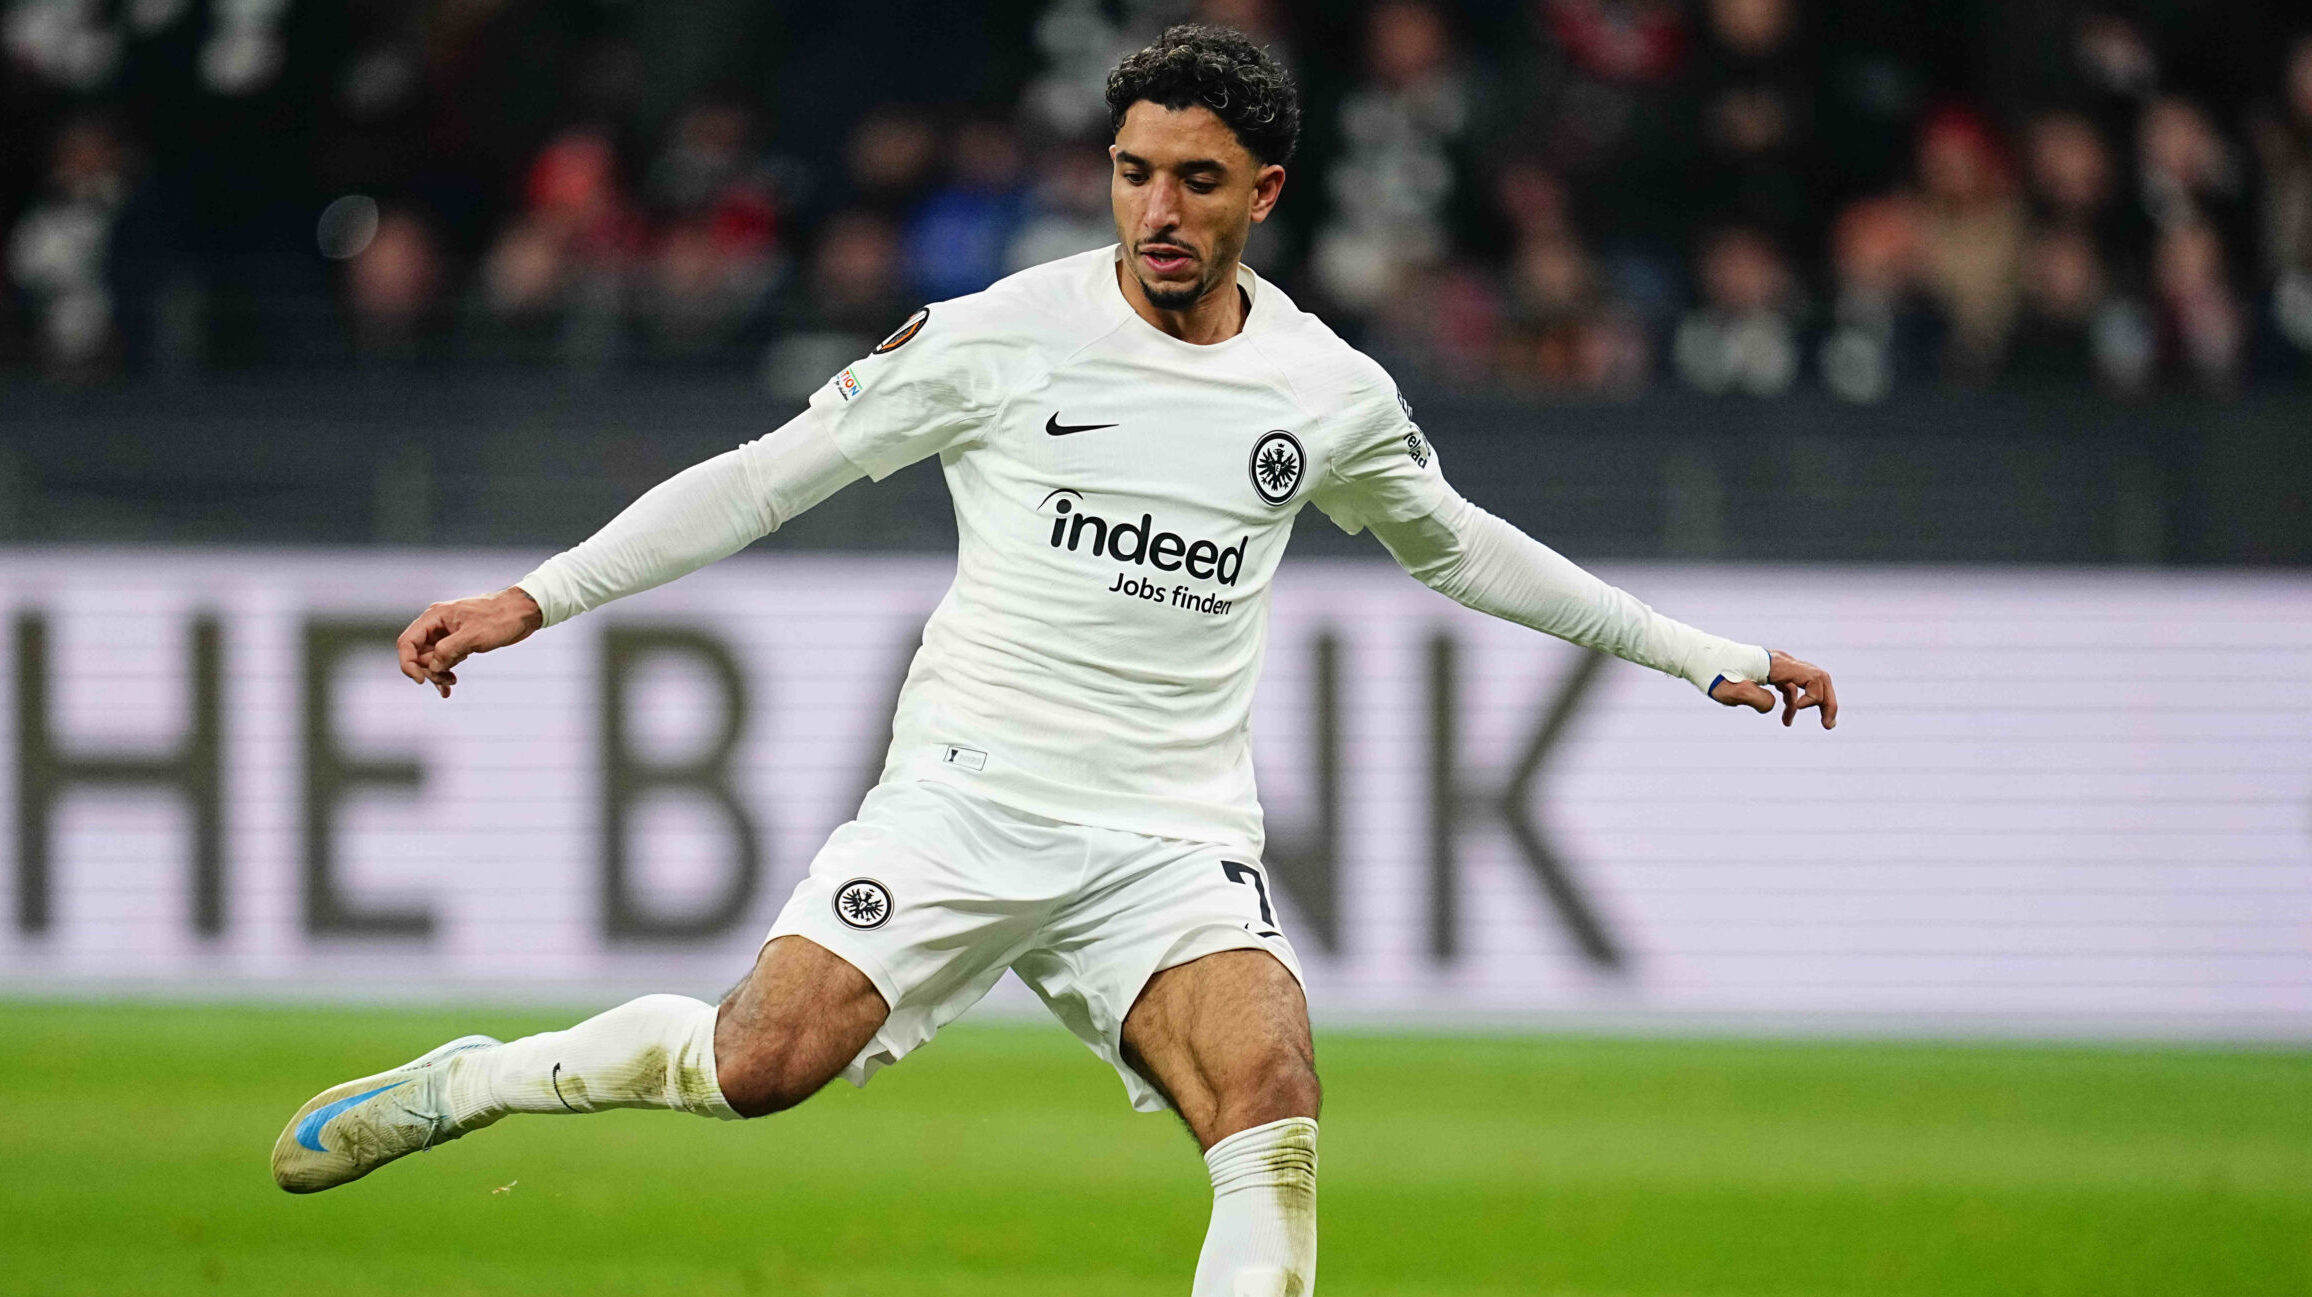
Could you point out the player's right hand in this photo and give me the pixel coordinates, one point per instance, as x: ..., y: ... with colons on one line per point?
x: 1801, y: 684
x: 446, y: 634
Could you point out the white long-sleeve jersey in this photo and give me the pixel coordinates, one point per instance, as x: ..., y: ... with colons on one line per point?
x: 1122, y: 499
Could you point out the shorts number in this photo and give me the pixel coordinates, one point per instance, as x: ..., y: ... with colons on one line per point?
x: 1238, y: 872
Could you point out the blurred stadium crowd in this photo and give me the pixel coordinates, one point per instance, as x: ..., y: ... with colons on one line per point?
x: 1558, y: 197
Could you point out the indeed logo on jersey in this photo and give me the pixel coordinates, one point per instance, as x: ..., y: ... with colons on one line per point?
x: 1139, y: 542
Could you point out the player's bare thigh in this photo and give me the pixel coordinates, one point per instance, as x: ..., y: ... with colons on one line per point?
x: 1227, y: 1039
x: 800, y: 1016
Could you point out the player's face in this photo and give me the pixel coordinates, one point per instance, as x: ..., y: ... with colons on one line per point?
x: 1187, y: 194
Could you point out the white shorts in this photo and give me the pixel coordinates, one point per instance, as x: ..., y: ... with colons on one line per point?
x: 933, y: 892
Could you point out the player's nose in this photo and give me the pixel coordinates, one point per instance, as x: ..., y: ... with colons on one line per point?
x: 1162, y: 212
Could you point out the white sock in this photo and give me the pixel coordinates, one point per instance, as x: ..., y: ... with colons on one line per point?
x: 1263, y: 1240
x: 655, y: 1052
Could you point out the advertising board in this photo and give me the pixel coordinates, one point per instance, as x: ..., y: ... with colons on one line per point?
x: 2058, y: 800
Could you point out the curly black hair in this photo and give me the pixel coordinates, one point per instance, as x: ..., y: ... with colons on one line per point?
x: 1195, y: 63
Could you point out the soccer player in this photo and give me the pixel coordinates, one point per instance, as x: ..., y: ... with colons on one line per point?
x: 1127, y: 435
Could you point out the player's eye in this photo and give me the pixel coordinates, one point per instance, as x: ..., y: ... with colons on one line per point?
x: 1134, y: 178
x: 1202, y: 186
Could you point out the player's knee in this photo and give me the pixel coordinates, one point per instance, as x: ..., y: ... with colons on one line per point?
x: 753, y: 1100
x: 757, y: 1086
x: 1280, y: 1084
x: 1292, y: 1089
x: 762, y: 1076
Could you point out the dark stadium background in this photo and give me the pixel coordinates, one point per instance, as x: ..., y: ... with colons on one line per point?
x: 1906, y: 299
x: 1726, y: 251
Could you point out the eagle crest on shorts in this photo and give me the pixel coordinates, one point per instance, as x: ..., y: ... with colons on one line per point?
x: 863, y: 903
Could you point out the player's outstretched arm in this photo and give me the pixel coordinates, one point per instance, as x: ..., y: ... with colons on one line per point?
x: 706, y: 512
x: 1485, y: 563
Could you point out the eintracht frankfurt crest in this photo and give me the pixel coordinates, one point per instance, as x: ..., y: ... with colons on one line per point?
x: 863, y: 903
x: 1276, y: 466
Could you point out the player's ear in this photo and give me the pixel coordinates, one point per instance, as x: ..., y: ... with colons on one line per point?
x: 1267, y: 187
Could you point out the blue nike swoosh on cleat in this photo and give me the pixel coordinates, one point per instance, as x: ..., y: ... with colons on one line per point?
x: 309, y: 1130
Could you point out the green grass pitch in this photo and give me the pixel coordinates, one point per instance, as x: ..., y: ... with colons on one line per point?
x: 1002, y: 1160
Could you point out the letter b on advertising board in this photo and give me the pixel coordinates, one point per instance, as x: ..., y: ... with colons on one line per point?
x: 629, y: 778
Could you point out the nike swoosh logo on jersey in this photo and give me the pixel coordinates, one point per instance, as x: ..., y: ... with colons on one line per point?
x: 309, y: 1130
x: 1059, y: 429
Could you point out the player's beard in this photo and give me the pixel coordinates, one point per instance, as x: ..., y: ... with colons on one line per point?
x: 1173, y: 299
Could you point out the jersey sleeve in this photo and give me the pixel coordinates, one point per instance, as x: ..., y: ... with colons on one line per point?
x: 1384, y: 470
x: 706, y: 512
x: 928, y: 388
x: 1481, y: 562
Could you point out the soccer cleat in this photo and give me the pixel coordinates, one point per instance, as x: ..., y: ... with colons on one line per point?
x: 349, y: 1130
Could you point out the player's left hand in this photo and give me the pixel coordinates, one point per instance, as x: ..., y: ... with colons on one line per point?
x: 1801, y: 684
